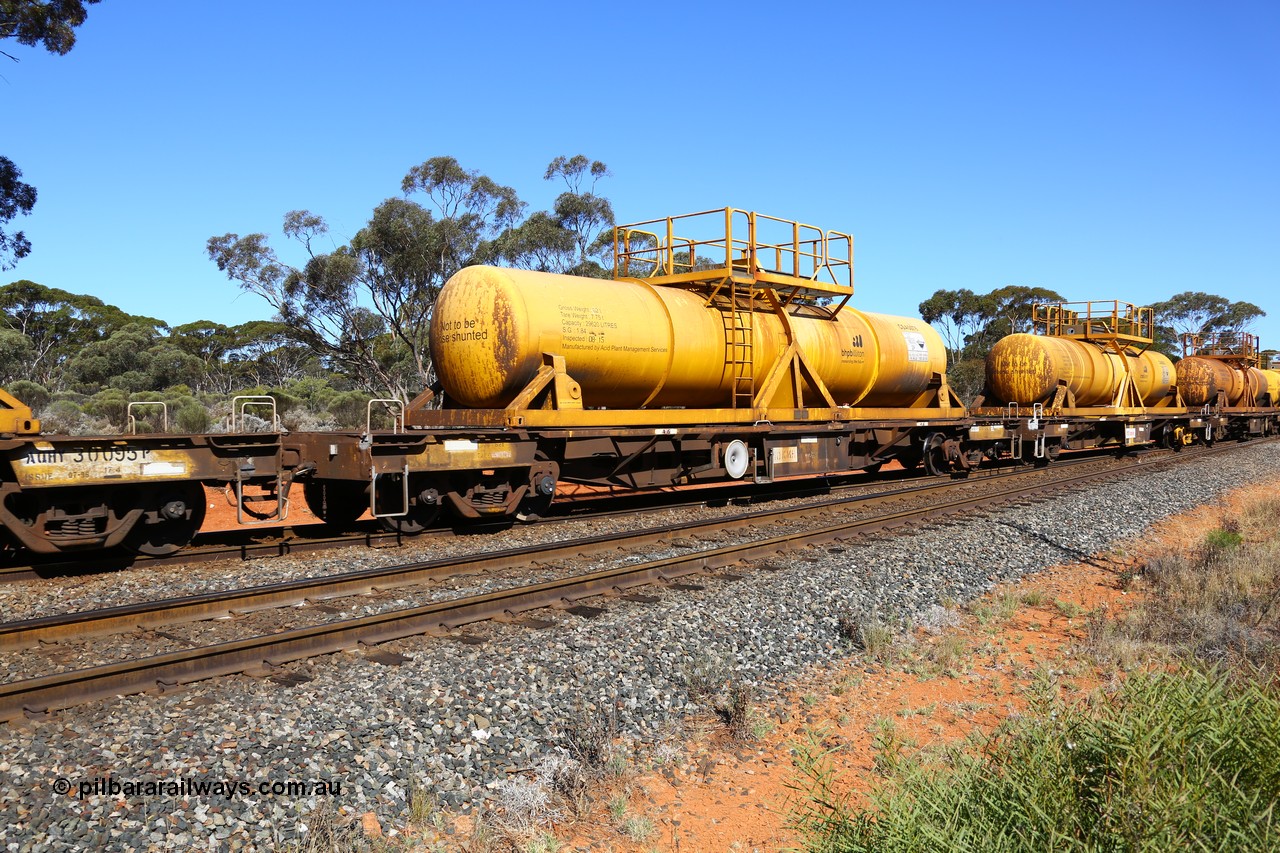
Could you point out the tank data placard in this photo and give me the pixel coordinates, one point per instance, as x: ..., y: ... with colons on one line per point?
x: 917, y: 349
x: 585, y: 327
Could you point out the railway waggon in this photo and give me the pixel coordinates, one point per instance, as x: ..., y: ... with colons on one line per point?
x: 724, y: 349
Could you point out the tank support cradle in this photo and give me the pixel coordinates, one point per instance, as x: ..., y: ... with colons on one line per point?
x: 551, y: 388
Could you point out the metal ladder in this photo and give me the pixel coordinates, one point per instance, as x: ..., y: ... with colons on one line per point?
x: 739, y: 338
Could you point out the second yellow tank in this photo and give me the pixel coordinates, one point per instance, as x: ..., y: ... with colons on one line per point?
x: 1201, y: 380
x: 1027, y: 369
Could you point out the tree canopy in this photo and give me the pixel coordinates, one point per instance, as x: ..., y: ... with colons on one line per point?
x: 16, y: 198
x: 971, y: 322
x: 50, y: 23
x: 1203, y: 313
x: 365, y: 307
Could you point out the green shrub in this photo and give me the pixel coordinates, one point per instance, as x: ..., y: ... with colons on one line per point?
x: 1183, y: 760
x: 284, y: 401
x: 110, y: 404
x: 314, y: 392
x: 31, y: 394
x: 350, y: 409
x: 1222, y: 540
x: 192, y: 418
x: 62, y: 416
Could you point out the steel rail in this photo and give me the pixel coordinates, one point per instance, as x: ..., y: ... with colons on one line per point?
x: 262, y: 654
x: 85, y: 624
x: 288, y: 541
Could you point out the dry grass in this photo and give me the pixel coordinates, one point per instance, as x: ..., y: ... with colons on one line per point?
x: 877, y: 638
x: 590, y: 737
x: 706, y: 675
x: 1218, y: 602
x: 737, y: 711
x: 948, y: 652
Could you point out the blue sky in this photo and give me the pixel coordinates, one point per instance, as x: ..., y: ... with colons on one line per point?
x: 1103, y: 149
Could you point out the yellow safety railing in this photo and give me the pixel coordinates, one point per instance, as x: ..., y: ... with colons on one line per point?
x: 714, y: 244
x: 1235, y: 346
x: 1095, y: 320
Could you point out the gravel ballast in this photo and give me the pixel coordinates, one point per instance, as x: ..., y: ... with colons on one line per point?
x: 459, y: 715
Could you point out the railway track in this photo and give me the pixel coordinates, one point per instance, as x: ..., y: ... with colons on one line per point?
x: 214, y: 605
x: 263, y: 654
x: 291, y: 540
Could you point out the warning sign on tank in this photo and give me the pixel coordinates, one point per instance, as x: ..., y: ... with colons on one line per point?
x: 917, y: 349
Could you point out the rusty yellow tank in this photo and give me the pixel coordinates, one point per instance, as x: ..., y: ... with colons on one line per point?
x: 1027, y: 369
x: 1201, y: 379
x: 1273, y: 387
x: 632, y: 345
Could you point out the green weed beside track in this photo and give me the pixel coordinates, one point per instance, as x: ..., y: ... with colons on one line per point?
x: 1182, y: 753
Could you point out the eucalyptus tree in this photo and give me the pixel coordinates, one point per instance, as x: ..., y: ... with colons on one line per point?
x: 56, y: 325
x: 210, y: 345
x: 266, y: 354
x: 1010, y: 309
x: 318, y: 302
x: 17, y: 198
x: 365, y: 307
x: 344, y: 303
x: 1197, y: 312
x: 958, y: 315
x: 50, y: 23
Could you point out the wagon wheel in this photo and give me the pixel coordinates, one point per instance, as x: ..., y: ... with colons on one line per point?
x: 935, y: 459
x: 173, y: 514
x: 424, y: 509
x: 909, y: 457
x: 338, y: 503
x: 542, y: 491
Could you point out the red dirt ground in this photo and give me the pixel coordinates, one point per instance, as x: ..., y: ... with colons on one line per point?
x: 220, y: 513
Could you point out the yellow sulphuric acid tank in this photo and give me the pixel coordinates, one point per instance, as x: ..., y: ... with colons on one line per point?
x: 1201, y: 379
x: 1027, y: 369
x: 632, y: 345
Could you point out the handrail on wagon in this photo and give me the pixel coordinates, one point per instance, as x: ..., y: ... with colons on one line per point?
x: 147, y: 404
x: 1096, y: 320
x: 705, y: 248
x: 241, y: 403
x: 1239, y: 348
x: 393, y: 406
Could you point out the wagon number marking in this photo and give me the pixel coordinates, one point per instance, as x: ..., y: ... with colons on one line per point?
x: 95, y: 454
